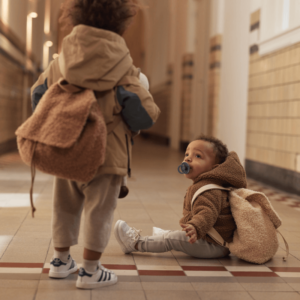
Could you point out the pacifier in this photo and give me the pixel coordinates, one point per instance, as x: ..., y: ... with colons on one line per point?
x: 184, y: 168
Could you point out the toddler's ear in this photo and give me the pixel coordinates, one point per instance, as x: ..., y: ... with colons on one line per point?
x: 144, y: 81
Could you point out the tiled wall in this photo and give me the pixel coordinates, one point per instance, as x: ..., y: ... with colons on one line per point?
x: 214, y: 84
x: 187, y: 81
x: 273, y: 130
x: 12, y: 76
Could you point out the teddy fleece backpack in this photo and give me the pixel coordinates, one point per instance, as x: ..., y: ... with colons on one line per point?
x: 255, y: 239
x: 66, y: 135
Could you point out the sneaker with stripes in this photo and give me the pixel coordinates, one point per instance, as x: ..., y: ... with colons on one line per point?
x: 100, y: 278
x: 61, y: 269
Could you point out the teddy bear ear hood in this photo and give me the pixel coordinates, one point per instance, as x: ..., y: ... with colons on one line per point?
x: 229, y: 173
x: 101, y: 55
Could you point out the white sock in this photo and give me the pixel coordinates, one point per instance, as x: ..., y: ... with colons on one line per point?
x: 90, y: 265
x: 63, y: 256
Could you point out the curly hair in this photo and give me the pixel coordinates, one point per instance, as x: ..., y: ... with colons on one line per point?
x: 112, y: 15
x: 220, y: 148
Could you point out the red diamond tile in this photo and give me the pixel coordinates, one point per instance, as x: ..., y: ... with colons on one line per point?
x: 254, y: 274
x: 120, y: 267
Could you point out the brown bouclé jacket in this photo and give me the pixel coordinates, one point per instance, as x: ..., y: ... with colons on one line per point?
x: 212, y: 209
x: 99, y: 60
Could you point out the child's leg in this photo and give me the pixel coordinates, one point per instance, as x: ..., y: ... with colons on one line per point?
x: 177, y: 240
x: 67, y: 208
x: 101, y: 196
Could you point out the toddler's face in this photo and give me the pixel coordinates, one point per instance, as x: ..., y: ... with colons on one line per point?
x: 201, y: 158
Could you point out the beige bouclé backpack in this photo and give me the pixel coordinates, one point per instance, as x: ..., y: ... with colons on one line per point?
x: 255, y: 239
x: 66, y: 134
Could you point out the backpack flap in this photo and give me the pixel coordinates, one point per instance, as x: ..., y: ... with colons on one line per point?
x: 255, y: 239
x: 66, y: 135
x: 263, y: 201
x: 59, y: 118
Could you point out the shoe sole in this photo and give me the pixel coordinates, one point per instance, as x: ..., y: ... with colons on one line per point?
x: 116, y: 232
x: 63, y: 274
x: 94, y: 285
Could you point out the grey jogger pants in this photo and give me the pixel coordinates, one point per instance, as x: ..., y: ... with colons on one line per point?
x: 177, y: 240
x: 99, y: 200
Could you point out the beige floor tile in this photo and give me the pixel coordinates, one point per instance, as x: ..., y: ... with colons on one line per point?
x: 169, y: 286
x: 18, y: 284
x: 217, y: 286
x: 275, y: 295
x: 174, y: 295
x: 74, y: 294
x: 16, y: 294
x: 57, y: 284
x: 295, y: 286
x: 225, y: 296
x: 125, y: 286
x: 166, y: 259
x: 121, y: 259
x: 267, y: 287
x: 100, y: 294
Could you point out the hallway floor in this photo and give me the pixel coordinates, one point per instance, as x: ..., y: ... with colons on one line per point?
x: 155, y: 199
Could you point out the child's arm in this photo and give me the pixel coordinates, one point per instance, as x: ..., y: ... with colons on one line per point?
x: 206, y: 209
x: 139, y: 110
x: 187, y: 213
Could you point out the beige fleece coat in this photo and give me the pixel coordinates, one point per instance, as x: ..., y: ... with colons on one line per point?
x: 98, y: 59
x: 212, y: 209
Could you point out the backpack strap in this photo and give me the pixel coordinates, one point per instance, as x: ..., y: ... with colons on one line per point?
x: 213, y: 233
x: 68, y: 87
x: 207, y: 188
x: 287, y: 249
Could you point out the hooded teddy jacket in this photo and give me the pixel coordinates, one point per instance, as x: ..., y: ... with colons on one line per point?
x: 98, y: 59
x: 211, y: 208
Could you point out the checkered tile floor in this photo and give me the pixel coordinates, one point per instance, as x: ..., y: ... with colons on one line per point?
x: 155, y: 199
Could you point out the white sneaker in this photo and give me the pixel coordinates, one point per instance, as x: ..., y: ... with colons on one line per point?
x: 100, y: 278
x: 159, y: 231
x: 126, y: 236
x: 60, y: 269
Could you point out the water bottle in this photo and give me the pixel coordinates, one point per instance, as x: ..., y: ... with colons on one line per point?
x: 184, y: 168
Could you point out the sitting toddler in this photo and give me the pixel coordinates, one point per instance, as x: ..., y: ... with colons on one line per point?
x: 209, y: 163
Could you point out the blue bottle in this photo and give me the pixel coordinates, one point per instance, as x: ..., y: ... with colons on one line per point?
x: 184, y: 168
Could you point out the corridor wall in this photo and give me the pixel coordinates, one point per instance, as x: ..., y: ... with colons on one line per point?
x: 23, y: 36
x: 273, y: 129
x: 14, y: 77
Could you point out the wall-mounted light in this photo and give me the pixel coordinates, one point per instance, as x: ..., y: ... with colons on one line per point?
x: 49, y: 44
x: 30, y: 16
x: 5, y: 9
x: 46, y: 49
x: 33, y: 15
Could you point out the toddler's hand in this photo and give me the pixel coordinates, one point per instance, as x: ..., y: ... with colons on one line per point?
x: 190, y: 231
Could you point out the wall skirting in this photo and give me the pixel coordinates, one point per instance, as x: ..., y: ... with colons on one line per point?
x: 8, y: 146
x: 286, y: 180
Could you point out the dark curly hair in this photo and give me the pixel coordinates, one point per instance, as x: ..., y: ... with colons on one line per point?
x: 220, y: 148
x: 112, y: 15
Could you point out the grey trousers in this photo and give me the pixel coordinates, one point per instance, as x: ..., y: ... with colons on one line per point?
x: 177, y: 240
x: 98, y: 198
